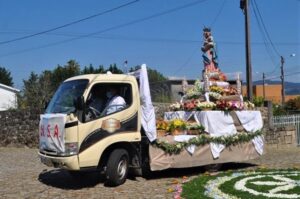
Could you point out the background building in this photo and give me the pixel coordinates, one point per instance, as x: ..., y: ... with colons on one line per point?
x: 8, y: 97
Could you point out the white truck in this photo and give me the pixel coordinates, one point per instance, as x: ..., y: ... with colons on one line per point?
x: 76, y: 136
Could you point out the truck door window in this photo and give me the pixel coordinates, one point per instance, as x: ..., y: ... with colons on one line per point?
x: 106, y: 98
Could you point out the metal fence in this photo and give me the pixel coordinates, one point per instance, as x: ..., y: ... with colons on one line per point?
x: 288, y: 120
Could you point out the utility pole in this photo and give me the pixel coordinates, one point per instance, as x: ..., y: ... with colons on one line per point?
x: 282, y: 82
x: 264, y: 90
x: 244, y: 5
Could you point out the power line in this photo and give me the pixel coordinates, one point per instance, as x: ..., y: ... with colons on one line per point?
x: 69, y: 24
x: 109, y: 29
x: 151, y: 39
x: 218, y: 14
x: 267, y: 33
x: 187, y: 61
x: 286, y: 75
x: 267, y: 47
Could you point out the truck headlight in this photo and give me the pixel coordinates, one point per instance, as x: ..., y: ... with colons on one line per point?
x: 71, y: 148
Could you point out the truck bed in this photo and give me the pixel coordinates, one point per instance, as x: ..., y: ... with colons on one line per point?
x: 160, y: 160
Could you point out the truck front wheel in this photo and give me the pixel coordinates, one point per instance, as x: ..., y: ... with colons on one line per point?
x: 117, y: 167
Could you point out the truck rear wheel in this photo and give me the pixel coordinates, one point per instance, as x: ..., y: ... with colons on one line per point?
x: 117, y: 167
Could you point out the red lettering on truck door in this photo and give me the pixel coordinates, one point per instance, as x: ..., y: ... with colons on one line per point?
x: 48, y: 130
x: 56, y: 133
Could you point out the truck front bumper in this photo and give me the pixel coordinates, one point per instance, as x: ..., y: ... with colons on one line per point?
x: 69, y: 162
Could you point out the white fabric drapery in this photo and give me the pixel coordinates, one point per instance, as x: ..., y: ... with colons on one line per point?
x: 148, y: 113
x: 220, y: 123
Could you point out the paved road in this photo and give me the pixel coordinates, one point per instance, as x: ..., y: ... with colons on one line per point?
x: 23, y: 176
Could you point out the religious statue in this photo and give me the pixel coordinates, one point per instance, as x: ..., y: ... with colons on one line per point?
x: 210, y: 57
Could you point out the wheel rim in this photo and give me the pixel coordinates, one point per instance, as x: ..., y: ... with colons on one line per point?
x: 122, y: 168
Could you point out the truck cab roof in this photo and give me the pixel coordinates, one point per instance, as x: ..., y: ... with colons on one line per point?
x: 103, y: 77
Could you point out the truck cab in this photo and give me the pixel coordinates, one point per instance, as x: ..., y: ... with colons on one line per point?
x: 76, y: 136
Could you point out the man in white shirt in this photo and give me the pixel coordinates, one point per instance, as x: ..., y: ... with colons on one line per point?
x: 114, y: 101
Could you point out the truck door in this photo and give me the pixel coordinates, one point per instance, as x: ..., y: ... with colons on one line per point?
x: 111, y: 116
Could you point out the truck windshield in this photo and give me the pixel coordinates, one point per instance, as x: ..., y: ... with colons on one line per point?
x: 65, y: 96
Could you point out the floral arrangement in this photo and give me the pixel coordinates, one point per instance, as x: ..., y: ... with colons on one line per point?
x: 175, y: 107
x: 196, y: 91
x: 230, y: 91
x: 193, y: 94
x: 177, y: 124
x: 190, y: 105
x: 205, y: 105
x: 162, y: 125
x: 229, y: 105
x: 248, y: 105
x: 194, y: 129
x: 203, y: 139
x: 215, y: 95
x: 216, y: 89
x: 194, y: 126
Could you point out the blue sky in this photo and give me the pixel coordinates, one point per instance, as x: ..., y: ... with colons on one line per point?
x: 170, y: 43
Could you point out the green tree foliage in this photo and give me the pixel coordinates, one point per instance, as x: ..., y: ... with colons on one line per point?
x: 91, y: 70
x: 153, y: 75
x: 38, y: 89
x: 258, y: 101
x: 5, y: 77
x: 293, y: 104
x: 114, y: 69
x: 61, y: 73
x: 278, y: 110
x: 32, y: 92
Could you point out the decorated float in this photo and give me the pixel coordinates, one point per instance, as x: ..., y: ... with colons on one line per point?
x: 211, y: 124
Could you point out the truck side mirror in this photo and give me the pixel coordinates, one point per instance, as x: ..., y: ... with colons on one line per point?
x: 79, y: 103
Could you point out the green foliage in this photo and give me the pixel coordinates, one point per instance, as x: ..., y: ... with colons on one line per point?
x: 61, y: 73
x: 32, y: 92
x: 175, y: 148
x: 38, y: 89
x: 163, y: 98
x: 91, y: 70
x: 278, y: 110
x: 258, y: 101
x: 196, y: 188
x: 5, y: 77
x: 114, y: 69
x: 153, y: 75
x: 293, y: 104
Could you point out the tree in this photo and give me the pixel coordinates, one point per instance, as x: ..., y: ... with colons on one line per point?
x: 5, y: 77
x: 32, y: 92
x: 61, y: 73
x: 114, y: 69
x: 91, y: 70
x: 153, y: 75
x: 293, y: 104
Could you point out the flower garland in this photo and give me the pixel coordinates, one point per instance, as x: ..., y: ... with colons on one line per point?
x: 203, y: 139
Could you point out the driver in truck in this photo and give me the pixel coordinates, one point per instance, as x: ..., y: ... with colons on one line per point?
x: 114, y: 101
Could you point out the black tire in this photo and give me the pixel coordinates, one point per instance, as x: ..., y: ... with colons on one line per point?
x: 117, y: 167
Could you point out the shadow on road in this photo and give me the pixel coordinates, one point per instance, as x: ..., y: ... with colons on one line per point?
x: 198, y: 170
x: 60, y: 178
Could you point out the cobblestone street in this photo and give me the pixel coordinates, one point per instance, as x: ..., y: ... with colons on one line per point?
x: 23, y: 176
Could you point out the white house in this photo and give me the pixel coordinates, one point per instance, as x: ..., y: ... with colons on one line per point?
x: 8, y: 97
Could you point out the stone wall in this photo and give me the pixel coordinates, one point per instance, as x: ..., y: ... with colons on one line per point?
x: 282, y: 137
x: 19, y: 128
